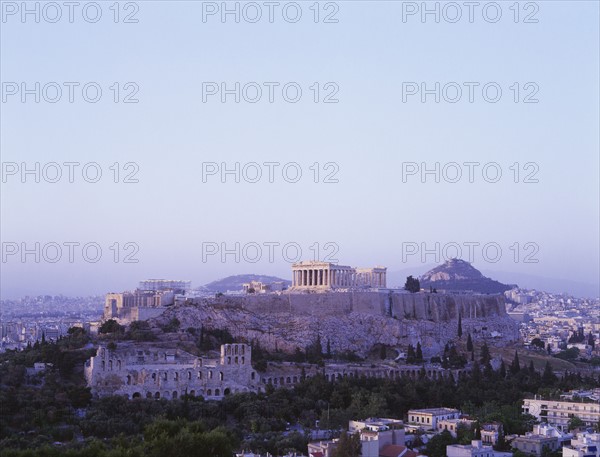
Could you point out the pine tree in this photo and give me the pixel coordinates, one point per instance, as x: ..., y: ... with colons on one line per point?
x: 412, y: 284
x: 531, y: 367
x: 548, y: 377
x: 476, y: 373
x: 328, y: 348
x: 515, y: 366
x: 488, y: 371
x: 419, y: 354
x: 318, y: 345
x: 502, y: 369
x: 485, y: 354
x: 460, y: 332
x: 469, y: 343
x: 411, y: 355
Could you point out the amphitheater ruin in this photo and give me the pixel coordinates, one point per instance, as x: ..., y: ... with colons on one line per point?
x: 146, y: 371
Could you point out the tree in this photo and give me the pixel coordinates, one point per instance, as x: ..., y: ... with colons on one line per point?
x: 575, y: 422
x: 460, y: 332
x: 348, y: 445
x: 568, y: 354
x: 141, y: 331
x: 110, y: 326
x: 436, y: 446
x: 328, y: 348
x: 515, y: 366
x: 382, y: 353
x: 469, y: 343
x: 502, y: 370
x: 537, y: 343
x: 171, y: 326
x: 412, y: 284
x: 411, y: 356
x: 485, y: 354
x: 591, y: 341
x: 419, y: 354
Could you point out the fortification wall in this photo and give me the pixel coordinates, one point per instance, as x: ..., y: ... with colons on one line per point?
x: 420, y: 306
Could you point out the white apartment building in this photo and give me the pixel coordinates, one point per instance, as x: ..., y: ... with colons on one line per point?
x: 584, y: 445
x: 558, y: 413
x: 377, y: 434
x: 475, y: 449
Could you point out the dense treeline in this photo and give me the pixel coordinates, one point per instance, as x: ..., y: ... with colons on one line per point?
x: 39, y: 410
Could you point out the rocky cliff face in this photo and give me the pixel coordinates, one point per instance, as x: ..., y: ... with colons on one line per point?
x: 354, y: 321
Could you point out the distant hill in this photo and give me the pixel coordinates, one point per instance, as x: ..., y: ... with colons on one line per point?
x: 235, y: 282
x: 458, y: 275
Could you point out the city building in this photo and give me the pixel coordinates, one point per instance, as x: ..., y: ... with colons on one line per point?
x: 395, y: 450
x: 377, y: 434
x: 427, y: 419
x: 584, y: 445
x: 543, y: 437
x: 491, y: 432
x: 452, y: 425
x: 326, y: 275
x: 559, y: 413
x: 322, y: 448
x: 475, y: 449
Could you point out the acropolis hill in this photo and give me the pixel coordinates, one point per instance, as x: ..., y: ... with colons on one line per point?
x: 352, y: 308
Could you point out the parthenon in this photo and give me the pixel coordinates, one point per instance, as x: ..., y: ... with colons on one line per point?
x: 326, y: 275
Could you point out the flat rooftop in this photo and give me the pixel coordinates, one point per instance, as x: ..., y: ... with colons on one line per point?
x: 433, y: 411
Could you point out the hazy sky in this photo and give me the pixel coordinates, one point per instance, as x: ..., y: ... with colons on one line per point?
x: 372, y: 61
